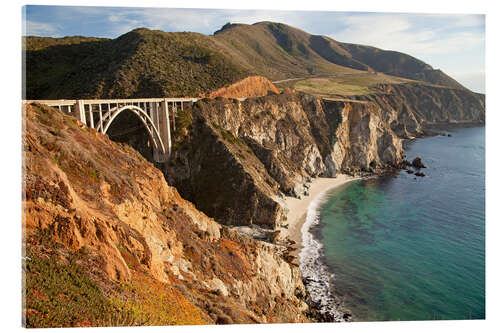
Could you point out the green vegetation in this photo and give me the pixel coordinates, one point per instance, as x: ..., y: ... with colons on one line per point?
x: 277, y: 51
x: 354, y: 84
x: 399, y: 64
x: 61, y: 295
x: 328, y: 87
x: 183, y: 122
x: 228, y: 136
x: 146, y: 63
x: 141, y: 63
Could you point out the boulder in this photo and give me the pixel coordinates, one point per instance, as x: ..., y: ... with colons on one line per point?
x: 275, y: 236
x: 417, y: 163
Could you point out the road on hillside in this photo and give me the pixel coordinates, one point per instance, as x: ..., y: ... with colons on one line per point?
x: 325, y: 75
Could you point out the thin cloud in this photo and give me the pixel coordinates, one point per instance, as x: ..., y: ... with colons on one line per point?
x: 410, y: 34
x: 32, y: 28
x: 202, y: 20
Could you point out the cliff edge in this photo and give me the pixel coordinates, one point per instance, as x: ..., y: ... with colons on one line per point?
x: 109, y: 243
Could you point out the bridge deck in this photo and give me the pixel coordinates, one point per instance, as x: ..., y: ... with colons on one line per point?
x: 52, y: 102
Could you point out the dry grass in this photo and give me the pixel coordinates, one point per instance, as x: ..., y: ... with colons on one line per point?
x: 348, y: 85
x: 324, y: 86
x: 253, y: 86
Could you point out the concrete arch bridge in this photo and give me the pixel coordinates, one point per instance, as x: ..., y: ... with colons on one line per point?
x: 156, y: 114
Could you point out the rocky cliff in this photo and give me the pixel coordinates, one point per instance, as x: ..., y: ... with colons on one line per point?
x: 236, y: 159
x: 411, y: 108
x: 108, y: 242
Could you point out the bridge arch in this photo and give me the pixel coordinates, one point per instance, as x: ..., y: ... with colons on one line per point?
x: 143, y: 116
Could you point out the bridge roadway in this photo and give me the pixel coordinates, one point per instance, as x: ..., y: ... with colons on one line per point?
x: 157, y: 115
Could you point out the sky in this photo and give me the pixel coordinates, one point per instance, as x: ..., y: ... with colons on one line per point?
x: 454, y: 43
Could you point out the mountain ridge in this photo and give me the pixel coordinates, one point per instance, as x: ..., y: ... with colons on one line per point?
x: 146, y: 62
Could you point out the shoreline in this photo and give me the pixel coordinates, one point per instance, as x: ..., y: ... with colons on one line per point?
x: 297, y: 208
x: 303, y: 214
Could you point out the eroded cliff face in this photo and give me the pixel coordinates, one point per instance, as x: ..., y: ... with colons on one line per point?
x: 252, y: 86
x: 363, y: 140
x: 148, y: 253
x: 411, y: 108
x: 238, y: 158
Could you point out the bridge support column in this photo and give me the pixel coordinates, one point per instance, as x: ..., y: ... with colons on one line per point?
x: 164, y: 129
x: 80, y: 110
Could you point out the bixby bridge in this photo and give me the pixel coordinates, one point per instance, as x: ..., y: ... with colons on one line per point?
x: 156, y: 114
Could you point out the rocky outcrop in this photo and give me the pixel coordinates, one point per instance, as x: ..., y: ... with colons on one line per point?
x: 252, y: 86
x: 101, y: 206
x: 240, y: 157
x: 411, y: 108
x: 363, y: 140
x: 417, y: 163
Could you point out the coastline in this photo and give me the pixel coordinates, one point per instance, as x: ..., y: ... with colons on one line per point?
x: 296, y: 216
x: 302, y: 215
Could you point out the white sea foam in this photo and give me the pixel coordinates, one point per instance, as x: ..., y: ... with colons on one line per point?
x: 314, y: 271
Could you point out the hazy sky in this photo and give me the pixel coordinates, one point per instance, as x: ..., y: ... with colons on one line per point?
x: 453, y: 43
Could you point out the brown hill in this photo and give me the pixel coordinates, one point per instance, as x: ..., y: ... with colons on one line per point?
x: 109, y: 243
x: 252, y: 86
x: 280, y: 51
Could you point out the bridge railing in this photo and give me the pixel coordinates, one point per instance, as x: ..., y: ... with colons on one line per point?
x: 153, y: 112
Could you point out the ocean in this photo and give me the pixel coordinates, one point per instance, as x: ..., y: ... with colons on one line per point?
x: 402, y: 247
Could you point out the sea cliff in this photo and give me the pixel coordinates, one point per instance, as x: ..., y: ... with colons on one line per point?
x: 236, y: 159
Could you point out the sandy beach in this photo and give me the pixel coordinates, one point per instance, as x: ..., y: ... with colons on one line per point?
x: 298, y: 207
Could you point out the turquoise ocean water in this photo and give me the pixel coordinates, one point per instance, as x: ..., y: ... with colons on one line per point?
x: 407, y: 248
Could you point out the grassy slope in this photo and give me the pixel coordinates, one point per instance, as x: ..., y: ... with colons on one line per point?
x: 154, y: 63
x: 354, y: 84
x: 64, y: 294
x: 399, y: 64
x: 137, y: 64
x: 278, y: 51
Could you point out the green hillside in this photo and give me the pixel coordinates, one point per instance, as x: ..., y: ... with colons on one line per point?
x: 152, y: 63
x: 141, y: 63
x: 399, y: 64
x: 279, y: 51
